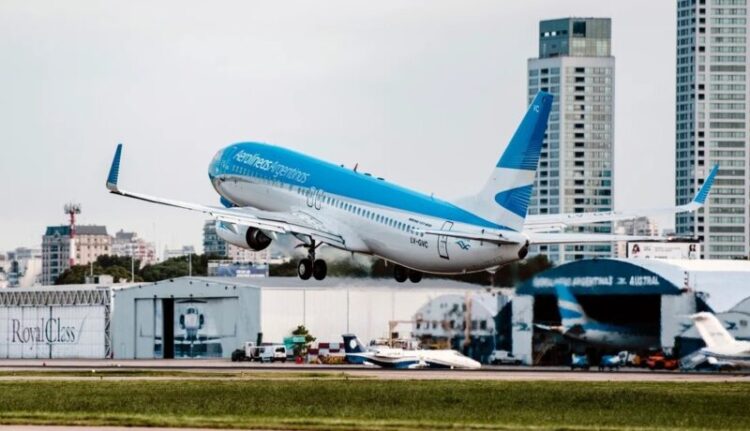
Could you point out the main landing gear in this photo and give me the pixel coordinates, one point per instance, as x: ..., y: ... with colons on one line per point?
x: 401, y: 273
x: 311, y: 267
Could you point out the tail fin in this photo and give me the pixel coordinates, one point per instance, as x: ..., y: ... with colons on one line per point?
x: 352, y: 344
x: 505, y: 197
x: 571, y: 312
x: 712, y: 331
x: 354, y: 349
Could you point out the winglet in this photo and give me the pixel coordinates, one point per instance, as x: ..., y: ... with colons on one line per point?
x: 114, y: 170
x: 700, y: 197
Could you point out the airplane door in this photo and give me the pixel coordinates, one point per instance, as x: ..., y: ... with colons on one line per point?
x: 443, y: 241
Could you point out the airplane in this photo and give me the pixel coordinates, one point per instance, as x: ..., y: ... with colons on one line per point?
x: 722, y: 349
x: 390, y: 357
x: 576, y: 325
x: 266, y: 191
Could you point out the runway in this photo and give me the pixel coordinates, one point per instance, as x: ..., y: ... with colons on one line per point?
x: 224, y: 369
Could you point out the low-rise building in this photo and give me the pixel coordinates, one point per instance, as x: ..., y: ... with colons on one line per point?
x: 185, y: 250
x: 90, y: 243
x: 127, y: 244
x: 25, y: 269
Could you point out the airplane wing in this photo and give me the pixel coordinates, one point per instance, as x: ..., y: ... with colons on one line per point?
x: 582, y: 238
x: 557, y: 222
x: 272, y: 222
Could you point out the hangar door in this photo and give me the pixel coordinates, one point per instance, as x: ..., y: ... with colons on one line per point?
x: 186, y: 327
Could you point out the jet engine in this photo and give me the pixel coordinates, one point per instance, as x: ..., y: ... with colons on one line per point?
x: 243, y: 236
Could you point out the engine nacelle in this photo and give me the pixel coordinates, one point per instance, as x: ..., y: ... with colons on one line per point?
x: 243, y: 236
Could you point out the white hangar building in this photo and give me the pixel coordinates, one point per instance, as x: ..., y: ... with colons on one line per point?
x: 203, y: 317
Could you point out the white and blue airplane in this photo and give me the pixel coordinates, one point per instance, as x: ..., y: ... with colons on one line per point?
x: 268, y: 191
x: 391, y: 357
x: 576, y: 325
x: 722, y: 349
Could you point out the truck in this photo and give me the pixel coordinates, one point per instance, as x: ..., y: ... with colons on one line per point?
x: 262, y: 353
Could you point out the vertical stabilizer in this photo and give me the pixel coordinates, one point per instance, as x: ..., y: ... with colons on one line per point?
x: 355, y: 351
x: 712, y: 331
x: 571, y: 312
x: 505, y: 197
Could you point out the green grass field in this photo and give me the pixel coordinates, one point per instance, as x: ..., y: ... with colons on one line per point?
x: 378, y: 404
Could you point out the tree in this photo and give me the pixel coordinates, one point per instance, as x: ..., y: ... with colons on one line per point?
x: 286, y: 269
x: 300, y: 349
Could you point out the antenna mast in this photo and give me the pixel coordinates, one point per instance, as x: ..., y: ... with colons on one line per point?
x: 72, y: 209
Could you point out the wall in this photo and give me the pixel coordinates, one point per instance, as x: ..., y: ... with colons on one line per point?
x: 52, y: 331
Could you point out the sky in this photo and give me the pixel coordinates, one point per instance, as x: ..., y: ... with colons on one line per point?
x: 425, y: 93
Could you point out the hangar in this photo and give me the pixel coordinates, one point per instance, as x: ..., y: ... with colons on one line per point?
x: 210, y: 317
x: 203, y: 317
x: 660, y: 293
x: 55, y: 322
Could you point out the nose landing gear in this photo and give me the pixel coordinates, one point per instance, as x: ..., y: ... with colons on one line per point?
x: 310, y: 266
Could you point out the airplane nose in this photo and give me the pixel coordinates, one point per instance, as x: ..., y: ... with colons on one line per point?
x: 214, y: 168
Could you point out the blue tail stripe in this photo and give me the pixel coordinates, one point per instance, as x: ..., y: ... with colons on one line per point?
x: 565, y: 294
x: 515, y: 200
x: 114, y: 170
x: 706, y: 187
x: 524, y: 148
x: 570, y: 314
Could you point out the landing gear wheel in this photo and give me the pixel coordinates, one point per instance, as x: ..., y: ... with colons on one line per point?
x: 415, y: 276
x: 400, y: 273
x: 305, y: 269
x: 319, y: 269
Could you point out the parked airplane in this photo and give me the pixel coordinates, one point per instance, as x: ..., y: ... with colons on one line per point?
x: 577, y: 326
x: 722, y: 349
x: 389, y: 357
x: 267, y: 190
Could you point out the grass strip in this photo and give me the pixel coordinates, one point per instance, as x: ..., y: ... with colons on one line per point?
x: 376, y: 405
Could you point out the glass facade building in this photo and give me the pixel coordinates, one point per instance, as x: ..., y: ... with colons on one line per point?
x: 711, y: 123
x: 575, y: 172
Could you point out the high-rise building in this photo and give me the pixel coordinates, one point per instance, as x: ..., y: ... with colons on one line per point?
x: 711, y: 123
x: 127, y: 244
x: 575, y: 174
x: 90, y: 243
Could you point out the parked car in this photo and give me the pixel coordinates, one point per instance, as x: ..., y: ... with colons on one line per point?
x: 503, y: 357
x: 579, y: 362
x: 610, y: 362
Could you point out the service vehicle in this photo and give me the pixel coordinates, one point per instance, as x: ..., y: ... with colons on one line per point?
x: 503, y: 357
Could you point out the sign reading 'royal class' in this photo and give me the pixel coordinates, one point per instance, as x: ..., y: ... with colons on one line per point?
x: 48, y: 331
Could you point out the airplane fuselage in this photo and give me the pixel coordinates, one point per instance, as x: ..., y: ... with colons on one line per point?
x: 617, y: 339
x: 372, y: 215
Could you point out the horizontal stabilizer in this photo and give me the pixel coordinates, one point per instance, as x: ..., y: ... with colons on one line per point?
x: 580, y: 238
x: 558, y: 222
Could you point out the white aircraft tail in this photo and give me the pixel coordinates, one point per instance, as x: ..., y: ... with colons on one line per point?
x: 505, y: 197
x: 712, y: 331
